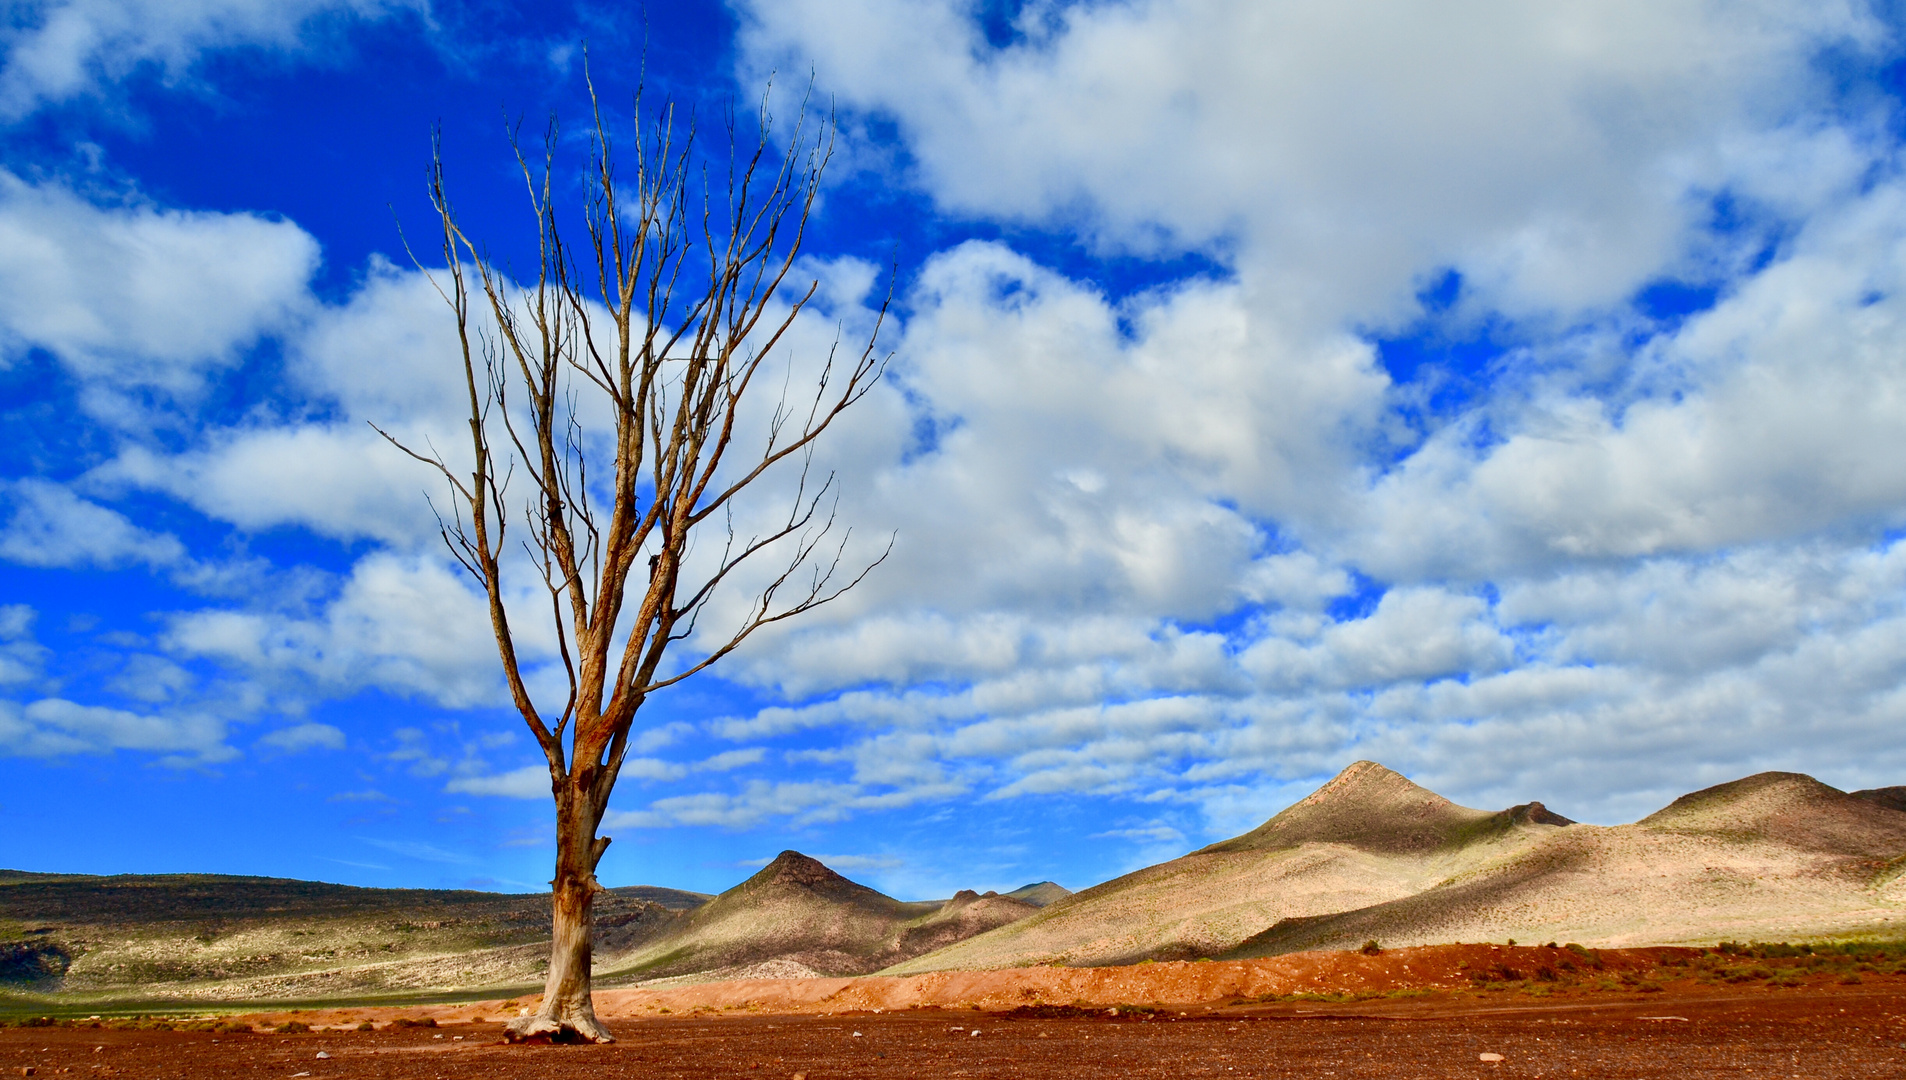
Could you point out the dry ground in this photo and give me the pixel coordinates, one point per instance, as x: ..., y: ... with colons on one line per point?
x: 1641, y: 1013
x: 1828, y: 1031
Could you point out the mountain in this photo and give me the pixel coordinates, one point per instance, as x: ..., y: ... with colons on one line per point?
x: 1369, y: 807
x: 1040, y: 893
x: 801, y: 917
x: 1773, y: 856
x: 1893, y: 798
x: 1367, y: 837
x: 217, y: 937
x: 212, y: 937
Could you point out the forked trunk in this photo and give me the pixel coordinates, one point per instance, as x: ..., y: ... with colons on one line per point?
x: 567, y: 1013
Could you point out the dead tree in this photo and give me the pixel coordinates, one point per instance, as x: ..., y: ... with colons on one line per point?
x: 657, y: 327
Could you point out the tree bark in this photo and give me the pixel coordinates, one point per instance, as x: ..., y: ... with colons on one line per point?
x: 567, y: 1013
x: 672, y: 373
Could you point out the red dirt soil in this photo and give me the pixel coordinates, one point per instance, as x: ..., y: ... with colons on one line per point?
x: 1642, y: 1013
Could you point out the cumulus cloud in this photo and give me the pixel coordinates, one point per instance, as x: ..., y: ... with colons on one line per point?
x: 56, y: 727
x: 386, y: 356
x: 21, y: 658
x: 1549, y: 153
x: 301, y: 737
x: 528, y: 782
x: 1193, y: 546
x: 50, y: 526
x: 142, y: 305
x: 404, y: 624
x: 1770, y: 416
x: 56, y: 50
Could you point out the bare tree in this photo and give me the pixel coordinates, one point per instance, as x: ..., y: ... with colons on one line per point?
x: 658, y: 325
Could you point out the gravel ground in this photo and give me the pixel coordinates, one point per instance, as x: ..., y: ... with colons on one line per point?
x: 1804, y: 1032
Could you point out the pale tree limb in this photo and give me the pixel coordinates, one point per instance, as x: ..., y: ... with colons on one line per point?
x: 660, y: 318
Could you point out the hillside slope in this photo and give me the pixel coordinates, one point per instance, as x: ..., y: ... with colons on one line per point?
x: 803, y: 917
x: 1773, y: 856
x: 215, y: 937
x: 1366, y: 837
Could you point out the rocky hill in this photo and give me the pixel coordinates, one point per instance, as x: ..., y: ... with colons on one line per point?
x: 214, y: 937
x: 1040, y: 893
x: 1371, y: 855
x: 800, y: 917
x: 1366, y: 837
x: 1774, y: 856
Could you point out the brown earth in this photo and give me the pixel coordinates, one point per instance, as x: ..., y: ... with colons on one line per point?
x: 1669, y: 1012
x: 1776, y: 856
x: 1367, y: 837
x: 213, y: 937
x: 805, y: 919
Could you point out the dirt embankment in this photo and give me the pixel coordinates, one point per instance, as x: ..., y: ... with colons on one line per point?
x: 1456, y: 976
x: 1699, y: 1021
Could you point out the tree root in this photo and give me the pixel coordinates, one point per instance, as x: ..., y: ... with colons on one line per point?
x: 550, y: 1029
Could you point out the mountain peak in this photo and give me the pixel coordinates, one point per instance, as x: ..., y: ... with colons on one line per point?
x: 1379, y: 809
x: 793, y: 868
x: 1892, y: 798
x: 1791, y: 808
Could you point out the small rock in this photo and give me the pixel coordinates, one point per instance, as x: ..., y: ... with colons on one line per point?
x: 856, y: 1034
x: 1488, y: 1057
x: 26, y: 1070
x: 976, y: 1032
x: 800, y: 1076
x: 322, y: 1055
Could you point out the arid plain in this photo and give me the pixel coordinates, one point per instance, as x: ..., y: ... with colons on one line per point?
x: 1371, y: 914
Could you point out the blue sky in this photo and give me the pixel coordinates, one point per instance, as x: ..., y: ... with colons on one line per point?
x: 1510, y: 394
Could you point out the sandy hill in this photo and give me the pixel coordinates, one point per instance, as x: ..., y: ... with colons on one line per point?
x: 1040, y: 893
x: 1366, y: 837
x: 1893, y: 798
x: 797, y: 916
x: 1773, y: 856
x: 217, y: 937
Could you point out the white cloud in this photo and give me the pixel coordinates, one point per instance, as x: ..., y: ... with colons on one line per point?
x: 404, y: 624
x: 387, y: 356
x: 1121, y: 522
x: 841, y: 862
x: 418, y: 849
x: 57, y: 50
x: 528, y: 782
x: 21, y: 658
x: 151, y: 679
x: 301, y: 737
x: 51, y: 526
x: 142, y: 305
x: 1555, y: 154
x: 1772, y: 416
x: 803, y: 802
x: 56, y: 727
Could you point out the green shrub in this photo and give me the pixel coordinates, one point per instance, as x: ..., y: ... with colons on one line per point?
x: 1371, y: 948
x: 292, y: 1027
x: 367, y: 1026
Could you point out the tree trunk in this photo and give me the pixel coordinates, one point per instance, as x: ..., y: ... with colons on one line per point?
x: 567, y: 1013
